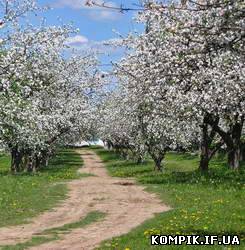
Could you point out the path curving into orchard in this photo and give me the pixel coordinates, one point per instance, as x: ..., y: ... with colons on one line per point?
x: 126, y: 206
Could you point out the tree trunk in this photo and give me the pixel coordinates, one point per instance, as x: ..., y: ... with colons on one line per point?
x: 37, y: 162
x: 158, y: 158
x: 109, y: 144
x: 207, y: 139
x: 16, y: 159
x: 158, y: 164
x: 234, y: 158
x: 31, y: 164
x: 232, y: 139
x: 234, y: 151
x: 46, y: 161
x: 25, y: 161
x: 204, y: 162
x: 157, y: 154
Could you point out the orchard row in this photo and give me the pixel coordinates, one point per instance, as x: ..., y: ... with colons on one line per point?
x: 45, y: 94
x: 181, y: 85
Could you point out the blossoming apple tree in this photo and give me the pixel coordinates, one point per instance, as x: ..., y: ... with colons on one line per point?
x: 45, y: 97
x: 186, y: 73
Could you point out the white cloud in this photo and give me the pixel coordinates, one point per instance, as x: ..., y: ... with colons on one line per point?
x: 104, y: 15
x: 74, y: 4
x: 81, y: 44
x: 96, y: 13
x: 76, y: 41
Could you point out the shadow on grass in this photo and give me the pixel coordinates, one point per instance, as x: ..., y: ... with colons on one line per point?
x: 173, y: 173
x: 62, y: 161
x: 213, y: 177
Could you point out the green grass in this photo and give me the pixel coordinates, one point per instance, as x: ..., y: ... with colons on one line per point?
x: 91, y: 217
x: 35, y: 241
x: 202, y: 204
x: 56, y: 233
x: 23, y: 196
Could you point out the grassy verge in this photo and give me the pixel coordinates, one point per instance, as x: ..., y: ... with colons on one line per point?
x: 203, y: 204
x: 56, y: 233
x: 25, y: 195
x: 88, y: 219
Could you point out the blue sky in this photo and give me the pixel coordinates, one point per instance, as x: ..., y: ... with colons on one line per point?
x: 95, y: 24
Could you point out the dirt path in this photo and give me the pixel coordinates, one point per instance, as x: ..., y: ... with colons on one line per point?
x: 126, y: 206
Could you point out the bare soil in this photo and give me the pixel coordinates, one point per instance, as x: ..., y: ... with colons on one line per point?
x: 126, y: 206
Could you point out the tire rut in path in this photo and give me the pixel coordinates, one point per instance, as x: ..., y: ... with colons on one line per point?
x: 126, y: 206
